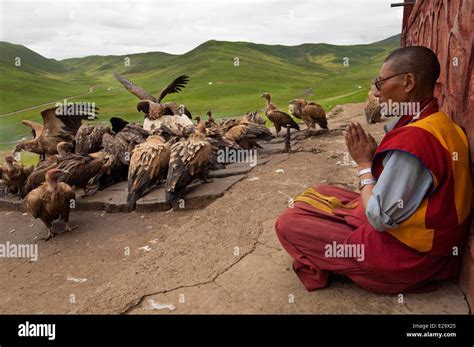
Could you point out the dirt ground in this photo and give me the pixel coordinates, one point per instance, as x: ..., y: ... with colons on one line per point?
x: 222, y: 259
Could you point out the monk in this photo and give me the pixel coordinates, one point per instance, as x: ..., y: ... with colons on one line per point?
x: 405, y: 230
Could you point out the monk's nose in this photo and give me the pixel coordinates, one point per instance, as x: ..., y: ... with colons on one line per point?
x: 377, y: 93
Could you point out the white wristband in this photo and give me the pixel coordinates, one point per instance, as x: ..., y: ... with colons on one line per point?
x: 364, y: 171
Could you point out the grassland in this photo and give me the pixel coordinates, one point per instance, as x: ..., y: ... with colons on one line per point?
x: 312, y: 71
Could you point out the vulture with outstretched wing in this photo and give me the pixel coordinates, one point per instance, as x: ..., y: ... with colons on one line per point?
x: 153, y: 107
x: 60, y: 124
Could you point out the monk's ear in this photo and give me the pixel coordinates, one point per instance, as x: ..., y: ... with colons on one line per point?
x: 409, y: 82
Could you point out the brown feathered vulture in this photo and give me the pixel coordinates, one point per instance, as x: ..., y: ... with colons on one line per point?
x: 89, y: 138
x: 14, y: 174
x: 311, y: 113
x: 52, y: 200
x: 279, y: 119
x: 373, y: 107
x: 148, y: 166
x: 82, y: 170
x: 153, y: 107
x: 60, y: 124
x: 246, y: 134
x: 210, y: 120
x: 253, y: 117
x: 189, y: 160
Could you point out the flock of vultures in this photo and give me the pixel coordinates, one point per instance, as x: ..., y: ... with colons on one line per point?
x: 171, y: 146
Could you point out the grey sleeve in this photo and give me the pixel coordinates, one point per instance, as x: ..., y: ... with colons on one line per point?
x: 400, y: 189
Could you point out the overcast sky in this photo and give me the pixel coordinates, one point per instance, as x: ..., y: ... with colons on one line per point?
x: 65, y: 29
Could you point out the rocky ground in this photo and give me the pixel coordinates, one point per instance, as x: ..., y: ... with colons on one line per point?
x: 221, y: 259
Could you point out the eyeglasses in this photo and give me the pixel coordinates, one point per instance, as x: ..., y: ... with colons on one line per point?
x: 377, y: 80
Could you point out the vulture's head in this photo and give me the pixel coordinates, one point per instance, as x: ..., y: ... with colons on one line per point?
x: 10, y: 159
x: 296, y: 106
x: 26, y: 145
x: 209, y: 113
x: 266, y: 96
x: 201, y: 128
x: 151, y: 109
x: 197, y: 119
x: 63, y: 148
x: 54, y: 175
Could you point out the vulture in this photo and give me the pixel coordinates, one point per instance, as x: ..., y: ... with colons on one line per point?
x: 122, y: 144
x: 311, y: 113
x: 188, y: 161
x: 14, y: 174
x: 60, y: 124
x: 82, y: 170
x: 246, y: 134
x: 51, y: 200
x: 210, y: 120
x: 174, y: 122
x: 148, y: 166
x: 151, y: 106
x: 278, y: 118
x: 38, y: 176
x: 373, y: 107
x: 117, y: 124
x: 253, y: 117
x: 89, y: 138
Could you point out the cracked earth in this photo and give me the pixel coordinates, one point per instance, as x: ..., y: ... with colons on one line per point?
x: 221, y: 259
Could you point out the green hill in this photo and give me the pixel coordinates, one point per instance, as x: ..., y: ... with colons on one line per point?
x: 313, y: 71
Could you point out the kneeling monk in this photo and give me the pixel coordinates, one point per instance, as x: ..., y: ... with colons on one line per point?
x: 407, y: 227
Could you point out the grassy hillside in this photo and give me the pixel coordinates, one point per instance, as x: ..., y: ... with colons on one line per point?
x: 313, y: 71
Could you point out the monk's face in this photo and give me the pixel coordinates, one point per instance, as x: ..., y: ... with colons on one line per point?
x: 393, y: 88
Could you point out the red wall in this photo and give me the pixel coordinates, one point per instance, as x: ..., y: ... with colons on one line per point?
x: 446, y: 26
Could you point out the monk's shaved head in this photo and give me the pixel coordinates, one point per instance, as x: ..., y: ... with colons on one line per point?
x: 418, y: 60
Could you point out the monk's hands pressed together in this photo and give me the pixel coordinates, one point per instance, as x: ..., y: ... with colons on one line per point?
x: 361, y: 146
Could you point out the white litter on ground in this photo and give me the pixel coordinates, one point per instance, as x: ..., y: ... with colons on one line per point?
x: 253, y: 179
x: 152, y: 305
x: 280, y: 171
x: 77, y: 280
x: 145, y: 248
